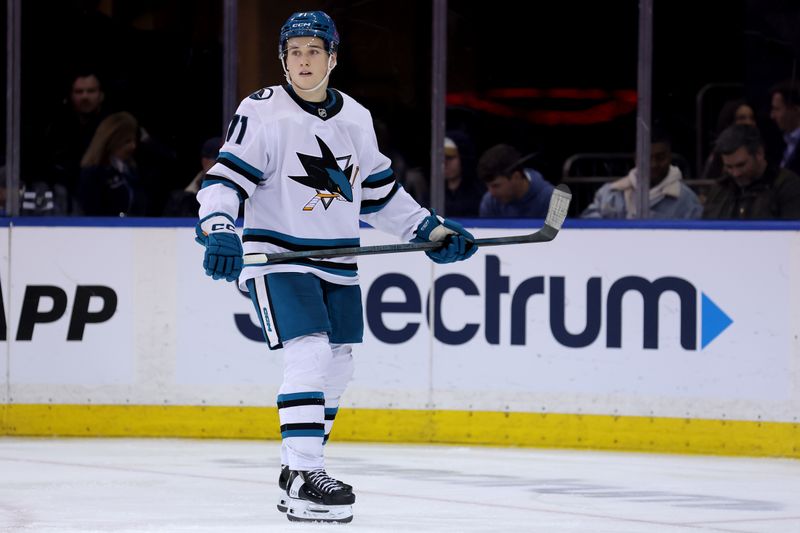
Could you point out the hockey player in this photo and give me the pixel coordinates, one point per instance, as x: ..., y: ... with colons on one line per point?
x: 304, y: 160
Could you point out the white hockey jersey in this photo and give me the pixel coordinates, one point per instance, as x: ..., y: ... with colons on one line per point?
x: 307, y: 173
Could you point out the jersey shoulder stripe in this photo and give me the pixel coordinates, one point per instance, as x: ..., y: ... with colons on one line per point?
x: 240, y: 167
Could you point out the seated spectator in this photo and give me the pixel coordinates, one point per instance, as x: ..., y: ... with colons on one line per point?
x: 68, y: 136
x: 462, y: 193
x: 785, y: 112
x: 670, y: 197
x: 109, y: 182
x: 183, y: 203
x: 513, y: 190
x: 751, y: 188
x: 736, y: 111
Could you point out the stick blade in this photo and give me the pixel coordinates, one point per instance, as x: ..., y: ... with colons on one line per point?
x: 559, y: 206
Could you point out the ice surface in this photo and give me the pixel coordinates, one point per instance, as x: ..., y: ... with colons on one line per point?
x: 155, y: 485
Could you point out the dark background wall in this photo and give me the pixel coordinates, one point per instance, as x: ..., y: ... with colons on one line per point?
x: 162, y: 60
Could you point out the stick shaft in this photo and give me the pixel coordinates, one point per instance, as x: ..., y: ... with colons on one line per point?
x: 545, y: 234
x: 559, y: 202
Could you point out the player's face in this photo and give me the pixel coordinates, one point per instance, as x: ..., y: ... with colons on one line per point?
x: 306, y: 61
x: 86, y: 95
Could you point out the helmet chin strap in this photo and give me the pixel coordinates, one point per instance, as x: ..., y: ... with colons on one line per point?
x: 317, y: 86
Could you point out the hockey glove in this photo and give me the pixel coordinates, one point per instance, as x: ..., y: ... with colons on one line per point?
x: 223, y: 259
x: 458, y: 242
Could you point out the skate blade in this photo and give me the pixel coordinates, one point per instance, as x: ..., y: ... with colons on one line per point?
x: 346, y: 520
x: 304, y: 511
x: 283, y: 504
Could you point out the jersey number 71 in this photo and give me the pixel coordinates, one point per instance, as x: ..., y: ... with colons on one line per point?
x: 241, y: 122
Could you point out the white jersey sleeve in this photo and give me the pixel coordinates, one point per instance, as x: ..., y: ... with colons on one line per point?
x: 237, y: 172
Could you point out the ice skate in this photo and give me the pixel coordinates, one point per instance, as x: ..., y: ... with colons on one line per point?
x: 314, y: 496
x: 283, y: 479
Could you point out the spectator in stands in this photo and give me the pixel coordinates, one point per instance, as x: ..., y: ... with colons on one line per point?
x: 751, y: 188
x: 67, y: 137
x: 109, y: 181
x: 513, y: 189
x: 785, y: 112
x: 736, y: 111
x: 183, y: 203
x: 670, y: 197
x: 462, y: 193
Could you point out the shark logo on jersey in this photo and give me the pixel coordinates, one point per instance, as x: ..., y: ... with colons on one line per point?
x: 325, y: 175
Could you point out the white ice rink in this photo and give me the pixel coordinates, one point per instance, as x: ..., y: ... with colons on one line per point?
x: 131, y: 485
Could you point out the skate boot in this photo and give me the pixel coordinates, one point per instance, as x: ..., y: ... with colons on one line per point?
x: 314, y: 496
x: 283, y: 479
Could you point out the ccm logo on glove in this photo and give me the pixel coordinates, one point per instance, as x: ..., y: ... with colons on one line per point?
x: 219, y: 226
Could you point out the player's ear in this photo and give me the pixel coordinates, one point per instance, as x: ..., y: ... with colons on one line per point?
x: 333, y: 60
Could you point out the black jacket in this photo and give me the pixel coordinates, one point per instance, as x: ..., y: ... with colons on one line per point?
x: 793, y: 163
x: 776, y: 195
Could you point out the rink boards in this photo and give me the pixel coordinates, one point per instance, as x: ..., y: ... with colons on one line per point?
x: 677, y: 339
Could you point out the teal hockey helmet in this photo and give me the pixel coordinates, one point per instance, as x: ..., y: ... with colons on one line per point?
x: 310, y: 24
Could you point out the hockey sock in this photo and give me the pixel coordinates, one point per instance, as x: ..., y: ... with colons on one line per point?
x: 301, y: 400
x: 302, y: 416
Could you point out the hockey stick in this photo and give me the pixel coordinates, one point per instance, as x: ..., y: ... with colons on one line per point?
x: 556, y: 213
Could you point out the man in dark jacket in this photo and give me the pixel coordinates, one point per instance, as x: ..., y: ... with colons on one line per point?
x: 785, y: 112
x: 751, y: 188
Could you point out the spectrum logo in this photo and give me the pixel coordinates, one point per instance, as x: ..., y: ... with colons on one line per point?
x: 599, y: 303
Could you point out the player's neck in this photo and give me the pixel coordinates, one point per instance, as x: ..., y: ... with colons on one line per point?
x: 316, y: 95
